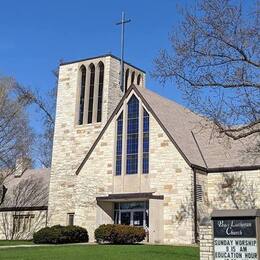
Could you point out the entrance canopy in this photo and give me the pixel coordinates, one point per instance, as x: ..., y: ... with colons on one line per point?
x: 129, y: 197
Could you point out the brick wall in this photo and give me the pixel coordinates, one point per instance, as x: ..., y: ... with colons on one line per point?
x: 206, y: 240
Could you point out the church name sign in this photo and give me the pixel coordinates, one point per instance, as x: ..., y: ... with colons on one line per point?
x: 235, y: 238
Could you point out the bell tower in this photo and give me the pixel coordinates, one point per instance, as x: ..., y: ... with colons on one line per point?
x: 88, y: 92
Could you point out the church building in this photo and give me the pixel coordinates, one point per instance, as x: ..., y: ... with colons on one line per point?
x: 129, y: 156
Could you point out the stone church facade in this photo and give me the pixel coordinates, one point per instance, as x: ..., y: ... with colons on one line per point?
x: 132, y: 157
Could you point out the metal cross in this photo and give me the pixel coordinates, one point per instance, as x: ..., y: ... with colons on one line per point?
x: 122, y: 23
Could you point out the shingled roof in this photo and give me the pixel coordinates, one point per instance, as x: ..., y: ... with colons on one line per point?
x: 30, y: 190
x: 193, y: 136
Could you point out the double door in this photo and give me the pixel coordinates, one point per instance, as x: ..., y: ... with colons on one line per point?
x: 132, y: 217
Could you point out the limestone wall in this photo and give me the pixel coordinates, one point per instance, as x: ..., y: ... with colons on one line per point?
x: 72, y: 141
x: 203, y: 204
x: 169, y: 175
x: 38, y: 220
x: 234, y: 190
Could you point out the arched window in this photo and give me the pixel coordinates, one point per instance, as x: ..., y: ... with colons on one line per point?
x: 100, y: 91
x: 82, y: 93
x: 91, y: 92
x: 132, y: 136
x: 138, y: 79
x: 132, y: 77
x: 119, y: 144
x: 145, y: 141
x: 126, y: 79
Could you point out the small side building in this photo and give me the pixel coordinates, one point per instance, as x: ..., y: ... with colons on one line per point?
x: 24, y: 203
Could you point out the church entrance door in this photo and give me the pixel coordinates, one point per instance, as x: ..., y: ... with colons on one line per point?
x: 132, y: 213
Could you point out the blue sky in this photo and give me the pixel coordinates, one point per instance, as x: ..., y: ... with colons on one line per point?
x: 35, y: 35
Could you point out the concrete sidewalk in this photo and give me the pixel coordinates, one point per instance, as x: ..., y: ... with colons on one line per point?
x: 44, y: 245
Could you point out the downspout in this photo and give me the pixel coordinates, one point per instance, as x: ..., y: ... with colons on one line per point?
x: 46, y: 221
x: 195, y: 206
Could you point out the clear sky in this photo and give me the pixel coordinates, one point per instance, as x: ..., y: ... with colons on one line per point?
x: 35, y: 35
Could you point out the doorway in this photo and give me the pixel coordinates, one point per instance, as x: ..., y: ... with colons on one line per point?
x: 132, y: 213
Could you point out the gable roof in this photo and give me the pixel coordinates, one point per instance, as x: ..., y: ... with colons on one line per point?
x: 30, y: 190
x: 192, y: 136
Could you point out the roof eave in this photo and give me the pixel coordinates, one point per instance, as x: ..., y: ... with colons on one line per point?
x: 226, y: 169
x: 99, y: 57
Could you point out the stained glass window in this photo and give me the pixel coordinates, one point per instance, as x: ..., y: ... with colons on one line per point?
x: 119, y: 144
x: 132, y: 136
x: 82, y: 94
x: 100, y: 91
x: 91, y: 92
x: 145, y: 141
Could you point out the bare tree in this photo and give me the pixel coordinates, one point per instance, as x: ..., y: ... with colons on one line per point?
x: 17, y: 224
x: 238, y: 191
x: 233, y: 191
x: 215, y: 62
x: 46, y: 106
x: 16, y: 136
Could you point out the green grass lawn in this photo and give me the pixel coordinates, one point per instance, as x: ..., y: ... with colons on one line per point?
x: 102, y: 252
x: 15, y: 242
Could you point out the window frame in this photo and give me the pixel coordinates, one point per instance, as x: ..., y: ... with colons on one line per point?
x: 71, y: 214
x: 132, y: 136
x: 91, y: 96
x: 82, y: 95
x: 145, y: 135
x: 118, y: 173
x: 22, y: 226
x: 101, y: 76
x: 124, y: 111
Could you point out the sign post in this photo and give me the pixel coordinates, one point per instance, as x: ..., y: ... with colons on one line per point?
x: 236, y: 234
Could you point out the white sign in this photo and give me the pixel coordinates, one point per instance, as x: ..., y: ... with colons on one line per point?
x: 235, y: 248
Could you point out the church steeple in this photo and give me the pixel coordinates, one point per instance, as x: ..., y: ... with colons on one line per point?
x: 96, y: 82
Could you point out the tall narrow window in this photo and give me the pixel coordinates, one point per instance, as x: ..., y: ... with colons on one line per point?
x: 132, y: 136
x: 145, y: 141
x: 139, y: 79
x: 119, y: 144
x: 82, y: 94
x: 91, y: 92
x: 100, y: 91
x: 132, y: 77
x: 126, y: 79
